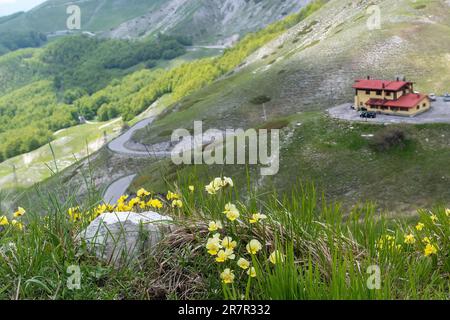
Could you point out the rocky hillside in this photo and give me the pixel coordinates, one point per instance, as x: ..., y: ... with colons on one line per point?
x: 207, y: 21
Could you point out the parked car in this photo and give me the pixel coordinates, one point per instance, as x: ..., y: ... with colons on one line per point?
x: 447, y: 97
x: 432, y: 97
x: 368, y: 114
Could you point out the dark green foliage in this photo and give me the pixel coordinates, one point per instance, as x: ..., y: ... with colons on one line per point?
x: 29, y: 116
x: 388, y: 138
x: 260, y: 99
x: 90, y: 64
x: 13, y: 40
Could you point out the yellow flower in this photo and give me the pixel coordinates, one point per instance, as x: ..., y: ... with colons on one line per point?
x: 420, y: 226
x: 142, y: 193
x: 426, y: 240
x: 133, y: 202
x: 221, y: 256
x: 429, y: 250
x: 228, y: 243
x: 434, y: 218
x: 191, y: 188
x: 172, y: 196
x: 142, y: 204
x: 224, y: 255
x: 243, y: 263
x: 276, y: 257
x: 214, y: 226
x: 409, y: 239
x: 210, y: 189
x: 20, y: 212
x: 447, y: 212
x: 17, y: 224
x: 155, y: 203
x: 253, y: 246
x: 177, y: 204
x: 122, y: 199
x: 217, y: 183
x: 123, y: 207
x: 251, y: 272
x: 102, y: 208
x: 227, y: 182
x: 256, y: 217
x: 231, y: 211
x: 232, y: 215
x: 214, y: 186
x: 4, y: 221
x: 75, y: 214
x: 227, y: 276
x: 213, y: 245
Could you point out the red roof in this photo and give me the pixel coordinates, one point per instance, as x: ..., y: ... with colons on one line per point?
x: 369, y: 84
x: 410, y: 100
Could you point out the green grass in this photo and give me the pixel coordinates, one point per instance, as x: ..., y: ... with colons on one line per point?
x: 326, y: 251
x: 70, y: 146
x: 96, y: 15
x: 338, y: 157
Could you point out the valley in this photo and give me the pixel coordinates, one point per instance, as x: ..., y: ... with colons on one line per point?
x: 227, y: 103
x: 87, y: 182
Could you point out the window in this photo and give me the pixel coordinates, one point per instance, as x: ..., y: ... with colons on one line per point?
x: 424, y: 105
x: 418, y: 107
x: 388, y: 93
x: 378, y: 92
x: 367, y: 91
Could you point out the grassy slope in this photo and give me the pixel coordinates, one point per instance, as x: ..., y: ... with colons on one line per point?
x: 312, y: 67
x: 97, y: 15
x: 69, y: 146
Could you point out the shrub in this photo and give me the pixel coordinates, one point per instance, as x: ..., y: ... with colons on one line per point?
x: 260, y: 99
x: 388, y: 138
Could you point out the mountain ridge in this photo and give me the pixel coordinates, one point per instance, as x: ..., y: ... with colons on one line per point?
x: 207, y: 22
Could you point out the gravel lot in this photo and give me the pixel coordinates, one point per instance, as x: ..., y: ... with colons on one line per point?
x: 439, y: 113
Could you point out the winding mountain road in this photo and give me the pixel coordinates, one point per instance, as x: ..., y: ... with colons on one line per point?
x: 119, y: 145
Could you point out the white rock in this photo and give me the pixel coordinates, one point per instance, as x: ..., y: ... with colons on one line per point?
x: 121, y: 237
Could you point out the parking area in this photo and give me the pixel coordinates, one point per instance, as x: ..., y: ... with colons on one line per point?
x: 439, y: 113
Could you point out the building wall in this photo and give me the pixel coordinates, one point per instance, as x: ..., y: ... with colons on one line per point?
x: 424, y: 105
x: 362, y: 97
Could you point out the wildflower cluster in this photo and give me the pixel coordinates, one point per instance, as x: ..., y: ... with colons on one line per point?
x: 16, y: 222
x: 217, y: 184
x: 234, y: 258
x: 431, y: 234
x: 143, y: 201
x: 388, y: 242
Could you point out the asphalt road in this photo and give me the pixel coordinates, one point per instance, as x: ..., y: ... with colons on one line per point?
x: 117, y: 189
x: 439, y: 113
x: 118, y: 145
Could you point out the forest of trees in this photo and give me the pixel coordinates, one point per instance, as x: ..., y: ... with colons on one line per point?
x: 82, y: 62
x: 14, y: 40
x: 29, y: 116
x: 39, y: 88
